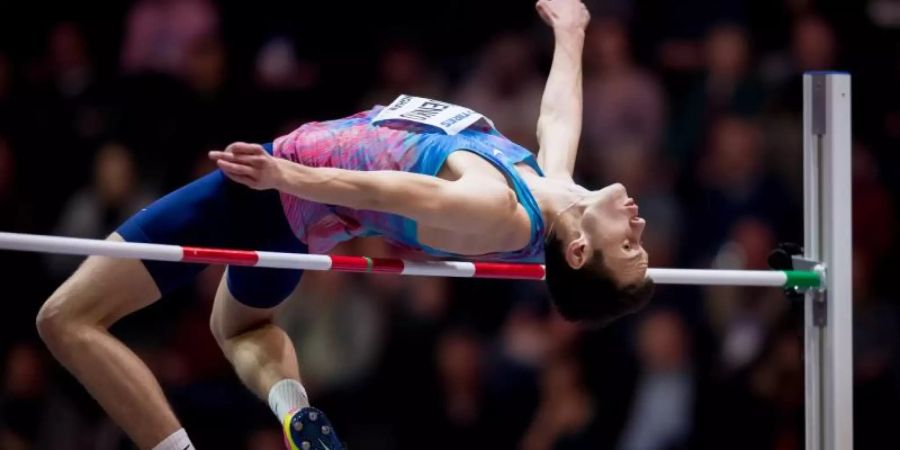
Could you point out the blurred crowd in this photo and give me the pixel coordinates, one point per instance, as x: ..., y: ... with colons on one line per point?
x: 695, y: 105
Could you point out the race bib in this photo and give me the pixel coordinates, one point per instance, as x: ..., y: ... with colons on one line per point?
x: 448, y: 117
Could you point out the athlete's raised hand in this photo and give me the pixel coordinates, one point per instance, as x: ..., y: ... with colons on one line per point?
x: 248, y: 164
x: 564, y: 14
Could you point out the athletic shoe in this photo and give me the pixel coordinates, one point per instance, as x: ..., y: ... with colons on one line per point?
x: 309, y: 429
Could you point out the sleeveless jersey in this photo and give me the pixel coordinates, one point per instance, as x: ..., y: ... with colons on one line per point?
x: 356, y: 143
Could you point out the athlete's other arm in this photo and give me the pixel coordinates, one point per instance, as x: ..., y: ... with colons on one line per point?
x: 470, y: 203
x: 559, y: 125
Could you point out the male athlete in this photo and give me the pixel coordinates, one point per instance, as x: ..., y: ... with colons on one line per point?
x: 424, y: 175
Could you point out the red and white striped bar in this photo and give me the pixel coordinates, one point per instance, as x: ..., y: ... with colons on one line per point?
x: 463, y: 269
x: 177, y: 253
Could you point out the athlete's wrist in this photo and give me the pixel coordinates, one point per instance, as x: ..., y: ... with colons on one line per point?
x: 281, y: 174
x: 569, y: 34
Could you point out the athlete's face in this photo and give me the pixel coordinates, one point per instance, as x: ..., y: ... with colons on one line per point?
x: 611, y: 225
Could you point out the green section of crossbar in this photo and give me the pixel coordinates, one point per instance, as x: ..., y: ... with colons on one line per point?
x: 802, y: 279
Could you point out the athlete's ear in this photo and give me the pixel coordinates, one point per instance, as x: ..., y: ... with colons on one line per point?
x: 577, y: 252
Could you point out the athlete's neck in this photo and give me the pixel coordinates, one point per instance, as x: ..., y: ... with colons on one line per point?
x: 560, y: 204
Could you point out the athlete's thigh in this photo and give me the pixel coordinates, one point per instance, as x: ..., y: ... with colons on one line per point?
x: 103, y: 290
x: 231, y: 316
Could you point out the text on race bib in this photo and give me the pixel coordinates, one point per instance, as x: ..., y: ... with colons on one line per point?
x: 448, y: 117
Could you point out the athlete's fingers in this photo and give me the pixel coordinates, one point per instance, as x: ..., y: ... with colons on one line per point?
x: 216, y: 155
x: 235, y: 168
x: 541, y: 7
x: 241, y: 148
x: 545, y: 10
x: 256, y: 161
x: 247, y: 160
x: 252, y: 161
x: 234, y: 145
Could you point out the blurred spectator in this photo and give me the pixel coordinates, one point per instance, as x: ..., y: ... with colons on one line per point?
x: 565, y: 415
x: 16, y: 215
x: 733, y: 162
x: 506, y: 87
x: 624, y: 107
x: 5, y: 78
x: 288, y: 86
x: 205, y: 69
x: 459, y: 359
x: 96, y: 211
x: 884, y: 13
x: 75, y: 81
x: 331, y: 317
x: 727, y: 88
x: 278, y: 67
x: 523, y: 348
x: 403, y: 69
x: 160, y: 34
x: 742, y: 317
x: 661, y: 415
x: 23, y: 396
x: 662, y: 240
x: 874, y: 214
x: 14, y: 205
x: 65, y: 103
x: 876, y: 325
x: 875, y: 348
x: 524, y: 338
x: 732, y: 182
x: 813, y: 46
x: 761, y: 407
x: 429, y: 298
x: 7, y: 109
x: 69, y: 61
x: 265, y: 440
x: 192, y: 353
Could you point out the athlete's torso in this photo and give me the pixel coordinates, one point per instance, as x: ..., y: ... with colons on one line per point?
x: 356, y: 143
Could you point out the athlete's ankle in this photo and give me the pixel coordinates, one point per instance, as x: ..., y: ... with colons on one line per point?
x: 178, y: 440
x: 286, y: 397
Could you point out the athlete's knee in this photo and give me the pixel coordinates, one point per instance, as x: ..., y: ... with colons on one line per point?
x: 66, y: 311
x: 55, y: 319
x: 218, y: 332
x: 226, y: 330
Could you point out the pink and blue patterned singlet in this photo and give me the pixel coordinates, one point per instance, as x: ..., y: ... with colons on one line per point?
x: 358, y: 144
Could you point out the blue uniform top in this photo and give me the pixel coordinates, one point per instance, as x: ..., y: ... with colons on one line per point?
x: 358, y: 144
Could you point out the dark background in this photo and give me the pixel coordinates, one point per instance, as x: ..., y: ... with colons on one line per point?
x: 695, y: 105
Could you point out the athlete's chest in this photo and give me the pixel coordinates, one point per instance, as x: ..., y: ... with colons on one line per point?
x: 508, y: 239
x: 465, y: 162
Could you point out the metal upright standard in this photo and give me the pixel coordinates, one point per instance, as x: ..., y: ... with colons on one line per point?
x: 827, y: 229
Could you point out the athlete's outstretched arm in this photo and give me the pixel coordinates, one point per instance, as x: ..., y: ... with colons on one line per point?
x: 559, y: 125
x: 469, y: 204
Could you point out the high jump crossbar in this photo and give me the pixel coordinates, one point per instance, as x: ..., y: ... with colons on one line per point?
x: 800, y: 279
x: 828, y: 300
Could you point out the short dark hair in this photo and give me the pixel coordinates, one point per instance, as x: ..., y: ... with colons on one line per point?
x: 590, y: 294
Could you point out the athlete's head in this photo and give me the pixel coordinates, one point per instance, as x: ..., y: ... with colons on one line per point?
x: 596, y: 265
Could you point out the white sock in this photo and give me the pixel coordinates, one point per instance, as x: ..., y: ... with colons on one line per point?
x: 287, y: 395
x: 178, y: 440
